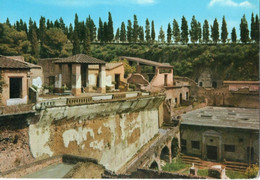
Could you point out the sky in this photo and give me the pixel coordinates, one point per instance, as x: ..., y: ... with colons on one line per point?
x: 161, y: 11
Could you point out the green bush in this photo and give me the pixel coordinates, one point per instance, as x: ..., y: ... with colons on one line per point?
x: 252, y: 171
x: 176, y: 165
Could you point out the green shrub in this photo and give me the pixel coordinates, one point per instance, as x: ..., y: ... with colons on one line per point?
x: 252, y: 171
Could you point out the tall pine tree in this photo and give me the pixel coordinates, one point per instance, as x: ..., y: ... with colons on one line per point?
x: 244, y: 32
x: 76, y: 44
x: 194, y: 30
x: 253, y: 30
x: 147, y: 31
x: 176, y: 32
x: 256, y: 29
x: 92, y: 28
x: 122, y: 32
x: 129, y: 31
x: 205, y: 32
x: 153, y: 32
x: 224, y: 31
x: 110, y: 29
x: 161, y: 36
x: 199, y: 31
x: 117, y: 37
x: 234, y: 35
x: 184, y: 31
x: 106, y: 32
x: 34, y: 44
x: 141, y: 33
x: 135, y: 29
x: 100, y: 31
x: 215, y: 32
x: 86, y: 42
x: 169, y: 34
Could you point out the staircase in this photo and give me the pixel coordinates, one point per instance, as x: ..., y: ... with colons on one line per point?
x: 229, y: 165
x: 236, y: 166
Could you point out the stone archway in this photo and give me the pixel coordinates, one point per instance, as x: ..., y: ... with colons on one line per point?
x: 174, y: 147
x: 154, y: 165
x: 165, y: 154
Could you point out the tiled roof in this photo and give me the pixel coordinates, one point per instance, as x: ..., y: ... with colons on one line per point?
x: 80, y: 59
x: 109, y: 66
x: 8, y: 63
x: 147, y: 62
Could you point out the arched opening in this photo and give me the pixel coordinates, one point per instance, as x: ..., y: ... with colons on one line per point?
x: 165, y: 154
x: 174, y: 147
x: 154, y: 165
x: 201, y: 84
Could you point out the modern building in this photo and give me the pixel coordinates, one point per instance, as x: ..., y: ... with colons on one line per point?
x: 221, y: 133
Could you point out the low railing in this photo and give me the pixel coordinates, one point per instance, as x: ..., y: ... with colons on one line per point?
x: 91, y: 99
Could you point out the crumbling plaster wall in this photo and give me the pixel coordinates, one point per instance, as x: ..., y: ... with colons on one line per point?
x: 109, y: 132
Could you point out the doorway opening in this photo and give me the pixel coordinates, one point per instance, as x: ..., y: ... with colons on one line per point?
x: 117, y: 80
x: 15, y: 88
x: 212, y: 153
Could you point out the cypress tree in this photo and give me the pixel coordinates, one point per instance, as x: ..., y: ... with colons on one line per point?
x: 153, y: 32
x: 76, y: 44
x: 194, y: 30
x: 122, y: 32
x: 169, y: 34
x: 106, y: 36
x: 7, y: 22
x: 42, y: 29
x: 234, y: 35
x: 224, y: 31
x: 161, y: 36
x: 205, y: 32
x: 215, y: 31
x: 199, y: 31
x: 57, y: 24
x: 92, y: 28
x: 86, y: 42
x: 176, y: 31
x: 256, y: 29
x: 30, y: 29
x: 141, y: 34
x: 101, y: 31
x: 70, y: 33
x: 117, y: 37
x: 34, y: 43
x: 147, y: 30
x: 135, y: 29
x: 62, y: 26
x: 129, y: 31
x: 244, y: 32
x: 184, y: 30
x: 110, y: 29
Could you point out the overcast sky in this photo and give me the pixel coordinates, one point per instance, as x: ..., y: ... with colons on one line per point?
x: 161, y: 11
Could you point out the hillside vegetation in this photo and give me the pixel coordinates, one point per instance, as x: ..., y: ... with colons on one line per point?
x: 227, y: 62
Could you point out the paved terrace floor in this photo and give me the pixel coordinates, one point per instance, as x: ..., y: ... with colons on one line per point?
x: 241, y: 118
x: 53, y: 171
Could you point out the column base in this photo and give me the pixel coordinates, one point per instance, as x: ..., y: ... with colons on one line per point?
x: 101, y: 90
x: 76, y: 91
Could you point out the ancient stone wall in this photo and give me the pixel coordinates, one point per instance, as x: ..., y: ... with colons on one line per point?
x: 109, y: 132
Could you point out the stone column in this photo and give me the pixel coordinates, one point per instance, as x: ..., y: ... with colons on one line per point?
x: 102, y: 78
x: 76, y: 79
x: 87, y: 82
x: 58, y: 78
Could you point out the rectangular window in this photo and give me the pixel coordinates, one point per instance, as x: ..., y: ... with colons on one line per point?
x: 15, y: 88
x: 229, y: 148
x: 183, y: 145
x: 195, y: 144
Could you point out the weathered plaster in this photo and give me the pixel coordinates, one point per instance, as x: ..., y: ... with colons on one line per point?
x: 110, y: 132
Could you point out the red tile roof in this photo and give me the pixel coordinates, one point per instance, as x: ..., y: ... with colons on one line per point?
x: 8, y: 63
x: 80, y: 59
